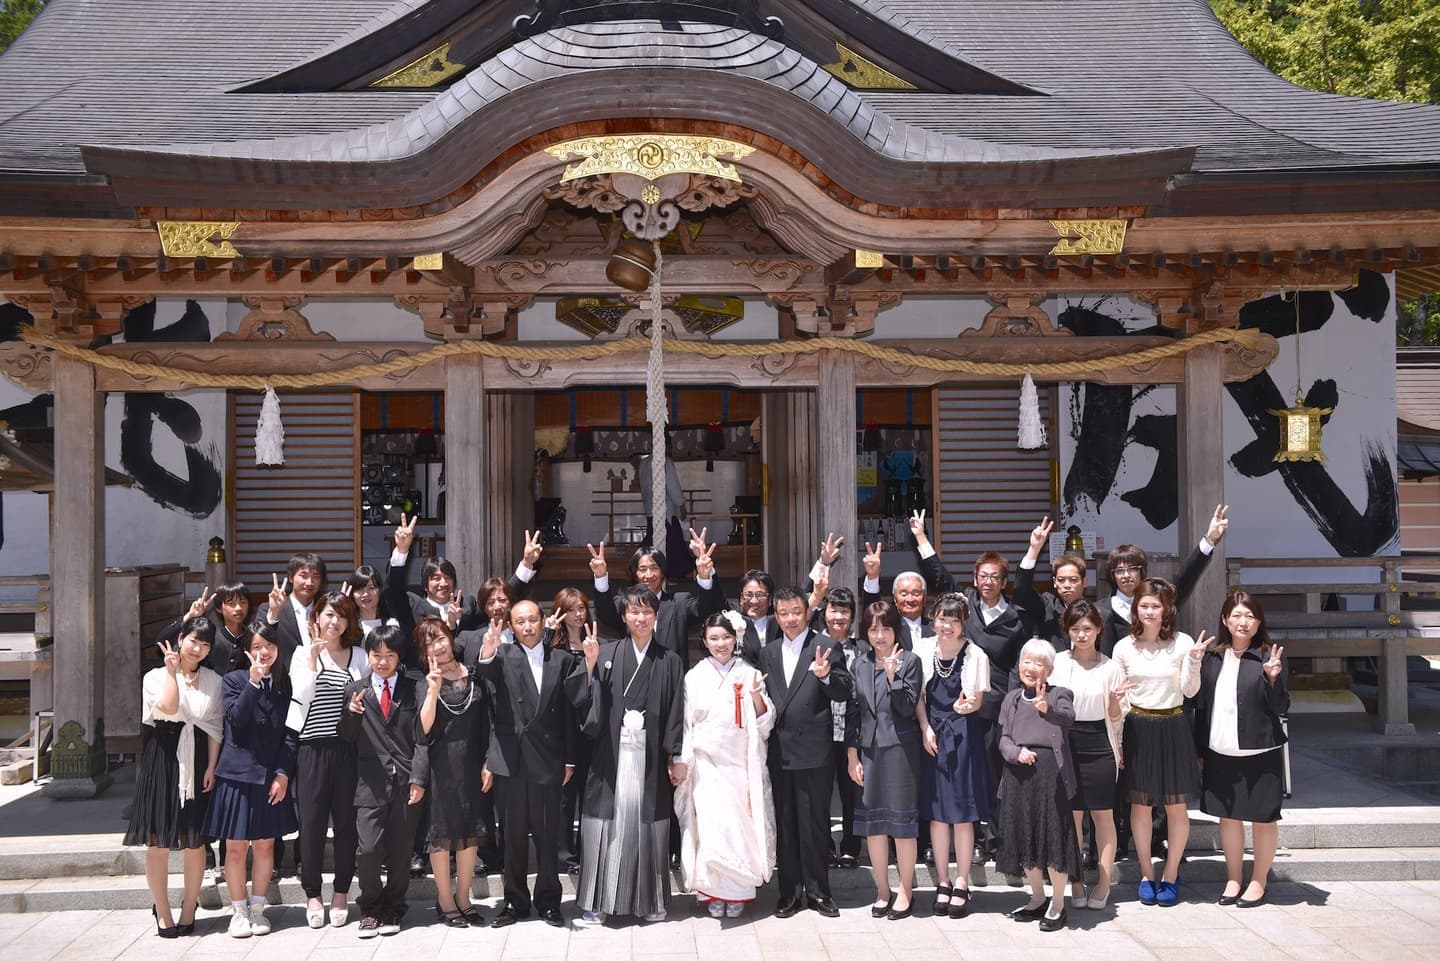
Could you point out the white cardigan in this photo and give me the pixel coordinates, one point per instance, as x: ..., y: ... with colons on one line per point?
x: 302, y: 681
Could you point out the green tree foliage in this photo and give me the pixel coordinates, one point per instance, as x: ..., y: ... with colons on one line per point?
x: 15, y: 16
x: 1384, y: 49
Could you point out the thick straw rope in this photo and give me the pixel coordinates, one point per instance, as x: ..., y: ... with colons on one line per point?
x: 1067, y: 370
x: 656, y: 409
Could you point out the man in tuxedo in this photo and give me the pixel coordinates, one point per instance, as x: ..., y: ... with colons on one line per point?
x: 804, y: 672
x: 382, y: 719
x: 538, y: 693
x: 1068, y: 577
x: 676, y: 612
x: 442, y: 597
x: 757, y: 589
x: 290, y: 612
x: 908, y: 592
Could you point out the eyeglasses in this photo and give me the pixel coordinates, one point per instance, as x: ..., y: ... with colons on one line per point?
x: 754, y: 596
x: 986, y: 576
x: 1128, y: 570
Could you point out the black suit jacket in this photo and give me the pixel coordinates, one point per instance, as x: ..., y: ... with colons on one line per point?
x: 1186, y: 577
x: 1260, y: 704
x: 392, y: 752
x: 676, y: 612
x: 664, y: 694
x: 400, y: 601
x: 222, y: 651
x: 1046, y: 609
x: 533, y: 732
x: 804, y: 724
x: 287, y: 628
x: 257, y: 745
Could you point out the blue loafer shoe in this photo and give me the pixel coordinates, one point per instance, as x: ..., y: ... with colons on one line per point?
x: 1147, y: 891
x: 1167, y: 893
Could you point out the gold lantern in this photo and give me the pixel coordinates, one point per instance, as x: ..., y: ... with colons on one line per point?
x: 1300, y: 426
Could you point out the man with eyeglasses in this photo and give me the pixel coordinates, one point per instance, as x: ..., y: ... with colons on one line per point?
x: 756, y: 589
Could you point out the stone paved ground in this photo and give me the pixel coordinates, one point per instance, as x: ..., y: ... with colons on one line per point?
x: 1344, y: 921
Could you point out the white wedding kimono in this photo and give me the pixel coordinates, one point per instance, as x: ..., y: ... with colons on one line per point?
x: 727, y: 817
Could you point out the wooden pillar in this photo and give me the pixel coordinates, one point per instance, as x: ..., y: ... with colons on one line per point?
x: 77, y: 584
x: 791, y: 525
x: 835, y: 478
x: 1202, y: 478
x: 510, y: 432
x: 466, y: 474
x: 1394, y: 677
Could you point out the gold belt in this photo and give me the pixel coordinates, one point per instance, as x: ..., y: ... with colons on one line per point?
x: 1167, y: 712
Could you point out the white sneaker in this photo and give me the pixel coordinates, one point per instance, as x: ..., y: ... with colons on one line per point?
x: 716, y: 909
x: 734, y: 909
x: 590, y: 919
x: 259, y: 924
x: 655, y: 916
x: 240, y: 925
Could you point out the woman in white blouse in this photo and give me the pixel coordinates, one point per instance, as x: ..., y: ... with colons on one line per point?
x: 1238, y: 730
x: 1161, y: 667
x: 1099, y: 688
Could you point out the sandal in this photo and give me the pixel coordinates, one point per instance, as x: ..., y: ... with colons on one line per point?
x: 942, y: 898
x: 960, y: 903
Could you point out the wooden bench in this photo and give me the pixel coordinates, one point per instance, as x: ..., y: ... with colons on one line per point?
x: 1387, y: 633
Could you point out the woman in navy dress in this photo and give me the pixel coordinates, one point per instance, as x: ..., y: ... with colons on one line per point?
x: 954, y: 775
x: 251, y: 807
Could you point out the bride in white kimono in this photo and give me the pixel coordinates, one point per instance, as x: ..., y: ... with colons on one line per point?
x: 727, y: 818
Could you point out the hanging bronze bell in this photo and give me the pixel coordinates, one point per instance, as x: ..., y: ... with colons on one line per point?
x: 632, y: 265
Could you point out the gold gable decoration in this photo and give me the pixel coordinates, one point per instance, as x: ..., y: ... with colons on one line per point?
x: 650, y: 156
x: 428, y: 71
x: 1089, y: 237
x: 862, y: 74
x: 195, y: 238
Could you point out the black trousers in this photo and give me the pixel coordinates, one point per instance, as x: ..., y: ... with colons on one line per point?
x: 988, y: 835
x: 849, y: 843
x: 387, y: 835
x: 527, y: 809
x: 574, y: 796
x: 802, y: 831
x: 326, y: 798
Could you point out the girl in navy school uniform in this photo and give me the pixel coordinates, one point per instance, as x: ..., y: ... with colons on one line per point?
x: 251, y: 807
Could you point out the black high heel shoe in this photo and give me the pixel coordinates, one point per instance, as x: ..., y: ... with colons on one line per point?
x: 188, y: 928
x: 451, y: 919
x: 168, y: 933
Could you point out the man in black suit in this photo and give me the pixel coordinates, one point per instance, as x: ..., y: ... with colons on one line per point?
x: 538, y: 694
x: 382, y: 718
x: 1068, y: 577
x: 443, y: 598
x: 804, y: 674
x: 908, y: 592
x: 677, y: 612
x: 290, y: 612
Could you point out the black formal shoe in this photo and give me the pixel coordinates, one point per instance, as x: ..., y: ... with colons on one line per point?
x: 417, y: 866
x: 451, y: 919
x: 473, y: 917
x: 824, y: 907
x: 507, y: 917
x: 876, y: 911
x: 1242, y: 903
x: 788, y: 909
x: 1030, y: 914
x: 959, y: 903
x: 674, y: 862
x: 894, y: 915
x: 1048, y: 923
x: 1228, y: 899
x: 849, y: 862
x: 552, y: 917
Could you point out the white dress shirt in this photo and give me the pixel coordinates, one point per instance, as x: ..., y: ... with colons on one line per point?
x: 790, y: 656
x: 536, y: 656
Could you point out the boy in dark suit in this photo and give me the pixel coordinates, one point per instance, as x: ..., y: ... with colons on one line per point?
x: 383, y: 720
x: 539, y: 691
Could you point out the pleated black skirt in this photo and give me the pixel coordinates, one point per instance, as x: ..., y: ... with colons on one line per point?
x: 1160, y: 763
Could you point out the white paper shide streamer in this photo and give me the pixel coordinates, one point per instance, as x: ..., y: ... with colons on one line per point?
x: 269, y: 433
x: 1032, y: 428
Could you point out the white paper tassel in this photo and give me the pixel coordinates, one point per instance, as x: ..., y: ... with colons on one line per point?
x: 269, y: 433
x: 1032, y: 428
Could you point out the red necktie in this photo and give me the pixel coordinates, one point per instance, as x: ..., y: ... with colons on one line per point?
x: 385, y: 699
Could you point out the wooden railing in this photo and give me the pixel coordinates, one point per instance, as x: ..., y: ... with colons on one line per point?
x: 1390, y: 632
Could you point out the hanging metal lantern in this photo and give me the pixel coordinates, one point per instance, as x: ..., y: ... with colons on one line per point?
x: 1300, y: 430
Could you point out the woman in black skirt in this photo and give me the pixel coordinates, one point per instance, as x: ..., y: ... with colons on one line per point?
x: 1098, y: 689
x: 251, y: 806
x: 1243, y: 695
x: 177, y: 770
x: 1037, y: 832
x: 1162, y: 668
x: 882, y: 736
x: 455, y: 722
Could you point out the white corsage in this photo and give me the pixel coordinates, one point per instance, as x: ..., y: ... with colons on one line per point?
x: 737, y: 622
x: 607, y: 665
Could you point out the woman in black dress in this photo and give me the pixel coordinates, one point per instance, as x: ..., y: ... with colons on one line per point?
x: 1243, y: 695
x: 177, y: 770
x: 455, y: 724
x: 882, y: 735
x: 1036, y: 827
x: 251, y: 806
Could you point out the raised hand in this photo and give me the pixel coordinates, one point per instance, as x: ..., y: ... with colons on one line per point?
x: 757, y: 686
x: 590, y: 644
x: 345, y: 588
x: 598, y: 567
x: 315, y: 648
x: 277, y: 593
x: 405, y: 533
x: 697, y: 542
x: 830, y: 549
x: 490, y: 646
x: 200, y: 605
x: 1041, y: 705
x: 1040, y: 536
x: 258, y: 671
x: 533, y: 549
x: 433, y: 679
x: 553, y: 619
x: 705, y: 563
x: 357, y: 702
x: 917, y: 528
x: 871, y: 560
x: 454, y: 609
x: 1202, y: 644
x: 1218, y: 524
x: 1274, y: 665
x: 890, y: 663
x: 821, y: 667
x: 1117, y: 692
x: 171, y: 656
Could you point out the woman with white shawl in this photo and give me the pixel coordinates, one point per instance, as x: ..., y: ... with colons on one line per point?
x: 727, y: 819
